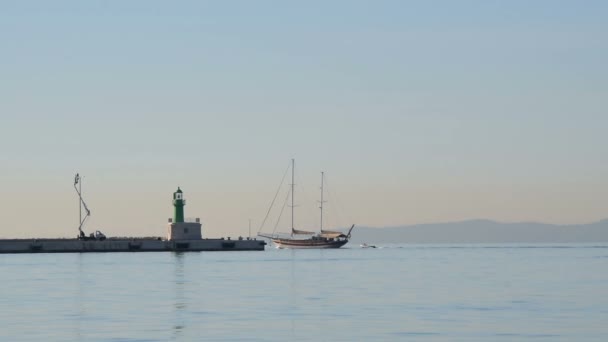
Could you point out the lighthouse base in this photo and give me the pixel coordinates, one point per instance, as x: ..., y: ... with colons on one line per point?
x: 184, y: 231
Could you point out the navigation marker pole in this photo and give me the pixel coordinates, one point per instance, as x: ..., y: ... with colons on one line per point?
x: 81, y: 204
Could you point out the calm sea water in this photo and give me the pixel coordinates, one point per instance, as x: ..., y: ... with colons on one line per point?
x: 407, y: 293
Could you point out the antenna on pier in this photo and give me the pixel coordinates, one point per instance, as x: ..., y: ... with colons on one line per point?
x: 81, y: 204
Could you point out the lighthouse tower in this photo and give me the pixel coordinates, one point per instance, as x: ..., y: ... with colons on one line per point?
x: 178, y: 202
x: 178, y: 229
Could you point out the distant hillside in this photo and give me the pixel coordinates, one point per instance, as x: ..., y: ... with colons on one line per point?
x: 483, y: 231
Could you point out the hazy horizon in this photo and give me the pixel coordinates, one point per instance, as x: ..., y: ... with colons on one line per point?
x: 418, y: 112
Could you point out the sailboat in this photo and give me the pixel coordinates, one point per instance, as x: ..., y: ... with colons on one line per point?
x: 302, y: 239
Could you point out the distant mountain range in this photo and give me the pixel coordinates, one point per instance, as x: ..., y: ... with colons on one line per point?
x: 483, y: 231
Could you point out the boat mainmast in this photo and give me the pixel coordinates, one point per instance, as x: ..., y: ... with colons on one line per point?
x: 293, y: 164
x: 321, y: 207
x: 79, y: 181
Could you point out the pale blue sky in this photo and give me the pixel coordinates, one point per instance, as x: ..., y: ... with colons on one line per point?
x: 419, y: 111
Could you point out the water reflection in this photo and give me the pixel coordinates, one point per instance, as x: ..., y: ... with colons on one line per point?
x: 180, y: 303
x: 322, y: 294
x: 307, y: 293
x: 293, y: 293
x: 80, y: 302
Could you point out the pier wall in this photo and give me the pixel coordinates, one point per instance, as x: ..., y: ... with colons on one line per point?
x: 138, y: 245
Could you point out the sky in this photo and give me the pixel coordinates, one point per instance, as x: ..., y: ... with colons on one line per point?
x: 417, y: 112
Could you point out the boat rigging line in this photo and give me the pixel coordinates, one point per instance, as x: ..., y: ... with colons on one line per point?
x: 338, y: 211
x: 281, y: 212
x: 274, y: 199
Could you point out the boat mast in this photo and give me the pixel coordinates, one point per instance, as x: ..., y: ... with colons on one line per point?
x: 293, y: 163
x: 79, y: 180
x: 321, y: 207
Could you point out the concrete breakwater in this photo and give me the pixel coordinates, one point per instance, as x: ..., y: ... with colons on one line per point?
x: 127, y: 245
x: 182, y: 236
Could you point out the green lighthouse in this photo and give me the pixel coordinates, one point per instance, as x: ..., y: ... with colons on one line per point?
x: 178, y: 228
x: 178, y: 202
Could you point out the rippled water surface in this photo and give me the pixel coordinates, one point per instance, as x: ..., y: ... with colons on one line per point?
x: 409, y: 292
